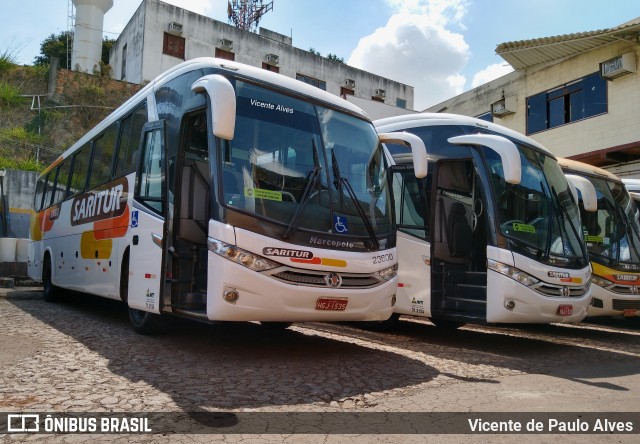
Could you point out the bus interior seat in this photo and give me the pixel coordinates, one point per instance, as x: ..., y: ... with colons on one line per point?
x: 459, y: 233
x: 194, y: 202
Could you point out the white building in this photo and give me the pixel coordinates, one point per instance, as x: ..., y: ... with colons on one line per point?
x: 160, y: 36
x: 577, y: 94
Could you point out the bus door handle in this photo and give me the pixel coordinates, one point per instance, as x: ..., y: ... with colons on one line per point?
x: 157, y: 239
x: 135, y: 240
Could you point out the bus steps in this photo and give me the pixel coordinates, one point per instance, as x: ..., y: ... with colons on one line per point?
x: 192, y: 301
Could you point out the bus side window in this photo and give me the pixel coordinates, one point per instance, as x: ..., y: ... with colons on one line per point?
x: 39, y: 194
x: 48, y: 191
x: 80, y: 169
x: 62, y: 181
x: 104, y: 146
x: 130, y: 141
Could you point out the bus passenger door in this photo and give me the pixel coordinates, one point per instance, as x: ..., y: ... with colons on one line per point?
x: 414, y: 250
x: 148, y: 222
x: 459, y: 275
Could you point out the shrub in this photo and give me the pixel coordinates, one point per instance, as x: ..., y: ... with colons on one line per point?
x: 9, y: 95
x: 26, y: 164
x: 7, y: 61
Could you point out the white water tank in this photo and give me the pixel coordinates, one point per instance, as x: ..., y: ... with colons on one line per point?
x: 87, y: 34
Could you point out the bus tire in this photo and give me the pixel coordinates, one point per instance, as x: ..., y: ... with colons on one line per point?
x: 146, y: 323
x: 275, y: 326
x: 50, y: 292
x: 446, y: 324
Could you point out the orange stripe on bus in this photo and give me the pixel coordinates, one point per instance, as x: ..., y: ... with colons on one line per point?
x: 321, y: 261
x: 112, y: 228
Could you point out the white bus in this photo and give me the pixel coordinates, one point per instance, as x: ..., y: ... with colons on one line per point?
x: 612, y: 234
x: 222, y: 191
x: 633, y: 187
x: 492, y: 234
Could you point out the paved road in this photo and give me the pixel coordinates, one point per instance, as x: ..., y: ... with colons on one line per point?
x: 82, y: 356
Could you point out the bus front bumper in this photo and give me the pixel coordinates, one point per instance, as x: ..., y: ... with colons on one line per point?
x: 608, y: 303
x: 264, y: 298
x: 529, y: 306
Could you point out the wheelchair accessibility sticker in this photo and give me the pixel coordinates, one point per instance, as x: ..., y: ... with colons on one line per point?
x: 134, y: 219
x: 340, y: 224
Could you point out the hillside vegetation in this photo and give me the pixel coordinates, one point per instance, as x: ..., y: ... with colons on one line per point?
x: 32, y: 133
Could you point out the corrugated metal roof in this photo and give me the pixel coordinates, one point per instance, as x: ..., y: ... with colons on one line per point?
x: 525, y: 53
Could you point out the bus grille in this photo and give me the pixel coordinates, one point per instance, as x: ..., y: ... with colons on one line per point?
x: 557, y: 290
x: 619, y: 304
x: 623, y: 289
x: 317, y: 278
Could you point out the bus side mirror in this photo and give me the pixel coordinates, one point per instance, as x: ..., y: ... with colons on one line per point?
x: 222, y: 98
x: 418, y: 150
x: 504, y: 147
x: 587, y: 190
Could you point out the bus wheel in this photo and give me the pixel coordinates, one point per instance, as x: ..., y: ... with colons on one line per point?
x: 146, y: 323
x: 50, y: 291
x: 446, y: 324
x: 275, y: 326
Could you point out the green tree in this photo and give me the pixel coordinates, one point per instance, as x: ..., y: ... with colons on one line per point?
x: 107, y: 44
x: 335, y: 58
x: 56, y: 46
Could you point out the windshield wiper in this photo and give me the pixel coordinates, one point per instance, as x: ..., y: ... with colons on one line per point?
x: 310, y: 181
x: 340, y: 181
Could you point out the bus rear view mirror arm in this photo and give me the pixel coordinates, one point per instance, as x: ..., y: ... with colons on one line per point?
x: 222, y: 99
x: 504, y: 147
x: 418, y: 150
x: 587, y: 190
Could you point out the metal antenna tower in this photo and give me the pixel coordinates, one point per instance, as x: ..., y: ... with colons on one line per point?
x: 246, y: 14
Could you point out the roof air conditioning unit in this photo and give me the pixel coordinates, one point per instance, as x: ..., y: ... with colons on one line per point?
x: 226, y: 44
x: 350, y: 83
x: 504, y: 106
x: 272, y: 59
x: 175, y: 28
x: 380, y: 93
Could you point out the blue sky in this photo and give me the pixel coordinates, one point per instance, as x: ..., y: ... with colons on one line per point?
x: 437, y: 46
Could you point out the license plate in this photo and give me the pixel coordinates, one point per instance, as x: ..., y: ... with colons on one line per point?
x: 565, y: 310
x: 629, y: 312
x: 332, y: 304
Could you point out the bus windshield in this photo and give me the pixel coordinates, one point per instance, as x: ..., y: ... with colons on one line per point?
x: 304, y: 166
x: 612, y: 232
x: 539, y: 215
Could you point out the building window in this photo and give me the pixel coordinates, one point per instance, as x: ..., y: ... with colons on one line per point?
x: 226, y: 55
x: 401, y: 103
x: 270, y: 67
x: 173, y: 45
x: 488, y: 116
x: 311, y: 81
x: 124, y: 62
x: 583, y: 98
x: 377, y: 99
x: 345, y: 92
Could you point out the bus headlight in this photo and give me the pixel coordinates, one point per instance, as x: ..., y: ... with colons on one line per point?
x: 388, y: 273
x: 240, y: 256
x: 517, y: 275
x: 600, y: 281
